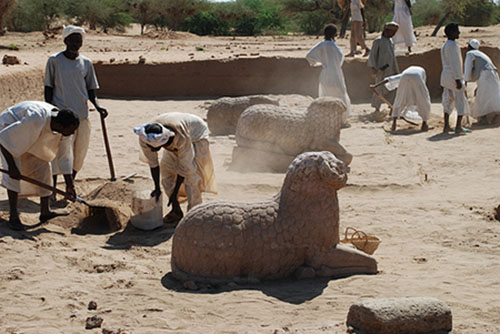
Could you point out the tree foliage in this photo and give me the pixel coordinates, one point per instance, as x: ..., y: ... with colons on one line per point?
x: 5, y: 8
x: 236, y: 17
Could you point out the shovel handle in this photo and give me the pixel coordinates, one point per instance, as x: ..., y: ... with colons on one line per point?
x: 108, y: 149
x: 42, y: 185
x: 382, y: 98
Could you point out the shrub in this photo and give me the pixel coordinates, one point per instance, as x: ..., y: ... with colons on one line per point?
x: 206, y: 23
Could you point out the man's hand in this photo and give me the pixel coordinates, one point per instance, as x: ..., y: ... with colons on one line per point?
x: 156, y: 194
x: 102, y: 111
x: 14, y: 172
x: 459, y: 84
x: 72, y: 192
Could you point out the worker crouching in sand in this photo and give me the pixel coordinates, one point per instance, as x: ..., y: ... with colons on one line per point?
x: 186, y: 166
x: 412, y: 95
x: 31, y: 134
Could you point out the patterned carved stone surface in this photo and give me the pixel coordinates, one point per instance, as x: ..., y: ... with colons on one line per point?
x: 223, y: 113
x: 290, y: 132
x: 223, y: 241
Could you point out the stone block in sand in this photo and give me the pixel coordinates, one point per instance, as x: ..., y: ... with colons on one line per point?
x: 416, y: 315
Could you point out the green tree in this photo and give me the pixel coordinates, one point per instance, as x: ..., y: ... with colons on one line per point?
x: 31, y: 15
x: 206, y: 23
x: 145, y: 12
x: 103, y: 13
x: 5, y: 8
x: 174, y: 12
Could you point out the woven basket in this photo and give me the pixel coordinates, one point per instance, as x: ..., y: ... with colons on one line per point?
x: 361, y: 240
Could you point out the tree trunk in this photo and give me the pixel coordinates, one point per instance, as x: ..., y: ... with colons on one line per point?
x: 440, y: 24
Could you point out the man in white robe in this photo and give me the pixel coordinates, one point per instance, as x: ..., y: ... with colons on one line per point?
x: 402, y: 16
x: 31, y: 134
x: 331, y: 79
x: 70, y: 82
x: 480, y: 68
x: 452, y: 80
x: 412, y: 94
x: 382, y: 61
x: 186, y: 159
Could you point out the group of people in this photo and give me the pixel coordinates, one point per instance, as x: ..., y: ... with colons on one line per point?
x: 412, y: 95
x: 40, y: 140
x: 401, y: 15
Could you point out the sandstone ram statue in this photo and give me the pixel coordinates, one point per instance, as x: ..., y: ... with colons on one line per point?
x: 273, y: 136
x: 223, y: 113
x: 223, y: 241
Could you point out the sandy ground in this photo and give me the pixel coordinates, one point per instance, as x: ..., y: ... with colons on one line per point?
x: 428, y: 196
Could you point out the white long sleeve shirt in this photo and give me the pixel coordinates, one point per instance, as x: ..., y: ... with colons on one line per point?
x: 451, y: 59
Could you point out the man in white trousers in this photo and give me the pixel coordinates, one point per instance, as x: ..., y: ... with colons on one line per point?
x: 480, y: 68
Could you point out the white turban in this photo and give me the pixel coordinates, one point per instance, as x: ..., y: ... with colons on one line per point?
x: 153, y: 139
x: 474, y: 43
x: 391, y: 25
x: 68, y: 30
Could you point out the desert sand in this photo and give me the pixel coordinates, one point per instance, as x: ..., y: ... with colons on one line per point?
x: 429, y: 196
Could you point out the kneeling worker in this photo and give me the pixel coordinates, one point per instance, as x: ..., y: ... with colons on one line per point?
x: 186, y: 159
x: 31, y: 134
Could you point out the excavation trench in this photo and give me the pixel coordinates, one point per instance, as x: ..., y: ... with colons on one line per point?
x: 215, y: 78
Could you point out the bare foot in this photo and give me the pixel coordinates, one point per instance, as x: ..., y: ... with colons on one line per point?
x: 15, y: 224
x: 393, y: 127
x: 367, y: 52
x: 173, y: 217
x: 350, y: 54
x: 446, y: 129
x: 424, y: 127
x: 52, y: 214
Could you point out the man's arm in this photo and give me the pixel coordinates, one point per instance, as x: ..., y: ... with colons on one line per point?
x: 13, y: 170
x: 93, y: 99
x: 48, y: 93
x: 155, y: 174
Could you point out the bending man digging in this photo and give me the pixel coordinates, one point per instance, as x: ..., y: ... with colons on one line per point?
x: 186, y: 167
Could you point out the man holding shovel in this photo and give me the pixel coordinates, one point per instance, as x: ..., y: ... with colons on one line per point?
x: 70, y: 81
x: 31, y: 134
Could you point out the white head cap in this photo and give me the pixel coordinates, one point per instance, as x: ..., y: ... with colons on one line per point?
x: 474, y: 43
x: 153, y: 139
x: 68, y: 30
x: 391, y: 25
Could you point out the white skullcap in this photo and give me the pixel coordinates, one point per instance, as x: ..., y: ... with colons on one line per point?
x: 68, y: 30
x: 153, y: 139
x: 391, y: 24
x: 474, y: 43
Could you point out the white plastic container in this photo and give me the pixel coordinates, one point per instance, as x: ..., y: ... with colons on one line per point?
x: 148, y: 212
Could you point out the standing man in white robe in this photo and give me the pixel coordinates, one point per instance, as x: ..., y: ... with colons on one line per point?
x: 480, y: 68
x: 70, y: 82
x: 452, y: 80
x: 412, y: 93
x: 402, y: 16
x: 331, y: 58
x: 357, y: 24
x: 186, y: 159
x: 31, y: 134
x: 383, y: 63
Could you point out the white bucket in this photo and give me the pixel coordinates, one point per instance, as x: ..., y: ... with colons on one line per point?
x: 148, y: 212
